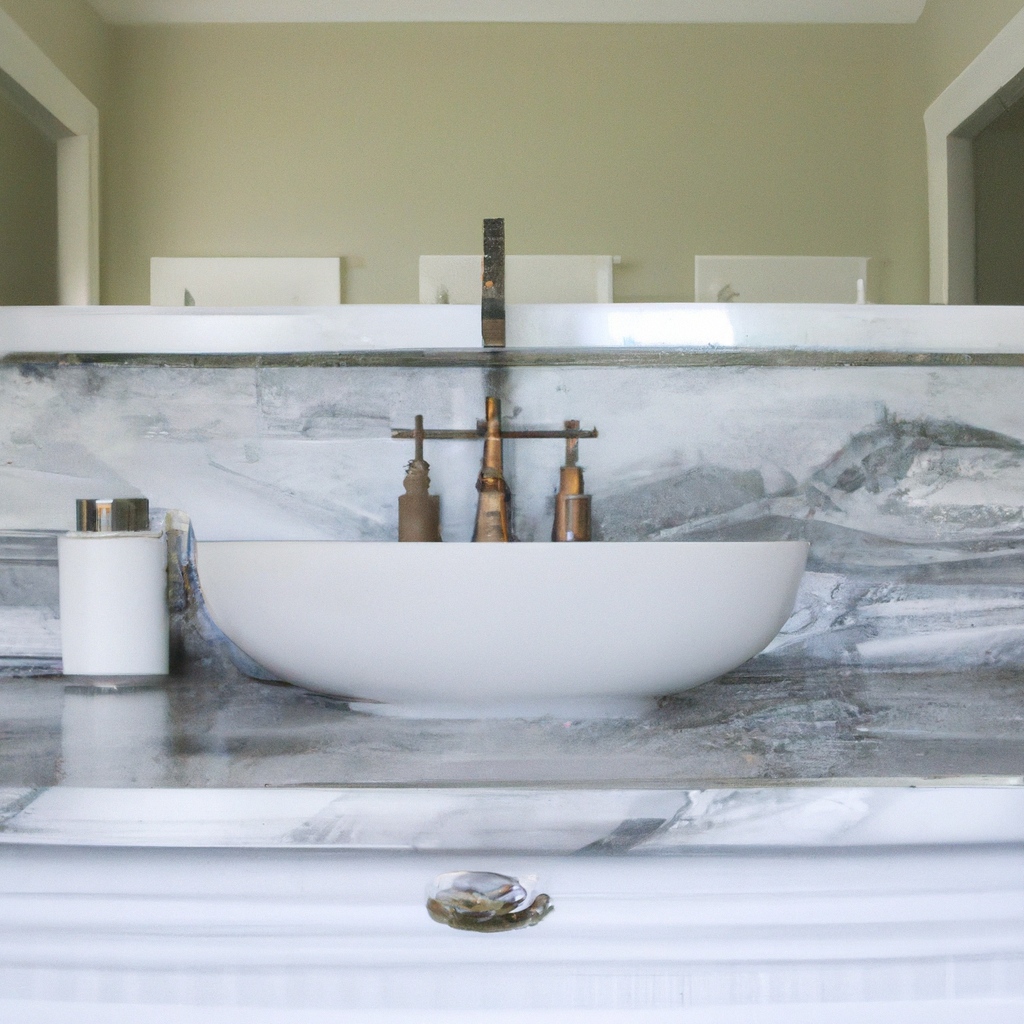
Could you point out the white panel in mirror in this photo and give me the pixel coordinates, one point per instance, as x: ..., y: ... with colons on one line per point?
x: 783, y: 278
x: 528, y: 279
x: 245, y: 281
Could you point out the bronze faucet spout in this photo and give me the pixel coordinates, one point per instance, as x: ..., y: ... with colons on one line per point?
x: 492, y: 511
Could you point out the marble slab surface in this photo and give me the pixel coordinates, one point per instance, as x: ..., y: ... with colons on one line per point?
x: 907, y: 481
x: 509, y: 820
x: 228, y: 731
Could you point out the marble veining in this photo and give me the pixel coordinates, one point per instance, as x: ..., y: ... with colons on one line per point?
x: 222, y: 729
x: 549, y: 822
x: 907, y: 481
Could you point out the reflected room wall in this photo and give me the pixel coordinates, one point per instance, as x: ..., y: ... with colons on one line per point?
x: 382, y: 142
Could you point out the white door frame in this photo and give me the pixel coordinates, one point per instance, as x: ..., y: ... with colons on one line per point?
x: 990, y: 84
x: 52, y: 103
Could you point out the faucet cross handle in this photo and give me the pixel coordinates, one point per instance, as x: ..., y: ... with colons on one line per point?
x: 572, y: 444
x: 418, y: 437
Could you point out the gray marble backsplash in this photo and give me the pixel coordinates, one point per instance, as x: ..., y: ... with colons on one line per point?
x: 908, y: 481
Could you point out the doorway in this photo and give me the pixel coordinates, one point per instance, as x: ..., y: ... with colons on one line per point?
x: 998, y: 159
x: 33, y: 89
x: 976, y: 119
x: 28, y: 211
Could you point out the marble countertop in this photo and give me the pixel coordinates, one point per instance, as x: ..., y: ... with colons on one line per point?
x: 844, y: 836
x: 842, y: 757
x: 743, y: 729
x: 514, y: 820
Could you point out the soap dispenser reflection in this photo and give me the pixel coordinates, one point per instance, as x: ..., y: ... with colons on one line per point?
x: 572, y: 506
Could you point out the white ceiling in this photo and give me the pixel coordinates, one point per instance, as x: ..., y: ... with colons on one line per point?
x: 134, y: 12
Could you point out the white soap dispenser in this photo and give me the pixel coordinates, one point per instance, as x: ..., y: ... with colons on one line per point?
x: 113, y: 591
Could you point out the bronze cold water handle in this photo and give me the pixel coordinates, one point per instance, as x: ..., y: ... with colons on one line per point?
x: 572, y: 506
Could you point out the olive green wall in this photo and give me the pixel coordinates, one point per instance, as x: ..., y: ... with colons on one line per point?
x: 73, y: 36
x: 28, y: 212
x: 383, y: 142
x: 953, y: 32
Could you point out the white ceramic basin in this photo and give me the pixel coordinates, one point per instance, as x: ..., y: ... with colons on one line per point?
x: 442, y: 629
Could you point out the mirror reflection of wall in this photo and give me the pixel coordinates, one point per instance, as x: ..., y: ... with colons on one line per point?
x: 999, y: 210
x: 28, y: 212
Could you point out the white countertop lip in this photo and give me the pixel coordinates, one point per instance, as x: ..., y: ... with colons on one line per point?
x: 382, y: 328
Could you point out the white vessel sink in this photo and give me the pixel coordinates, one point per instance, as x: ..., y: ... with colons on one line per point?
x: 439, y: 630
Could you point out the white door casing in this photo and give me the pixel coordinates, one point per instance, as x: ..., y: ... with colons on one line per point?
x: 44, y: 95
x: 989, y: 85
